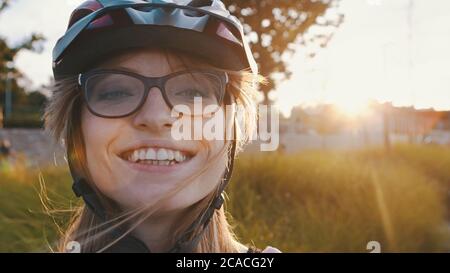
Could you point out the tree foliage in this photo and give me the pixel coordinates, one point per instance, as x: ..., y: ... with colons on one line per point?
x: 276, y: 27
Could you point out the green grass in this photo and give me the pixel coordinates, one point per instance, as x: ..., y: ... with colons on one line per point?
x: 25, y: 225
x: 319, y: 201
x: 338, y: 201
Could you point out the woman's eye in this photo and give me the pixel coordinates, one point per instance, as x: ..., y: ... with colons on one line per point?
x: 114, y: 95
x: 191, y: 93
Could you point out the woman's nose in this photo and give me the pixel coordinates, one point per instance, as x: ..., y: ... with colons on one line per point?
x: 154, y: 114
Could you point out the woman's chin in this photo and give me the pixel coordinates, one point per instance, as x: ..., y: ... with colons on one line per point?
x: 140, y: 198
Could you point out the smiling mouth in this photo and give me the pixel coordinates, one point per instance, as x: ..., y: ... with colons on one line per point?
x: 156, y: 156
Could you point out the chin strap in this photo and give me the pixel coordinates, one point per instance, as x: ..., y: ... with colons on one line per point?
x: 129, y: 243
x: 82, y: 189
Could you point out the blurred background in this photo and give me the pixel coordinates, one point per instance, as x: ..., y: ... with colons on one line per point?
x: 364, y: 92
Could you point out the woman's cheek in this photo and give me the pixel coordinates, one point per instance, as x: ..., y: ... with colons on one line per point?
x: 205, y: 183
x: 97, y: 133
x: 215, y: 166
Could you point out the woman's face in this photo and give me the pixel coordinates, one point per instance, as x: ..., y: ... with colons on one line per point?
x: 110, y: 142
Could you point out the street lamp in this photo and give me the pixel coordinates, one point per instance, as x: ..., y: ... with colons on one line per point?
x: 8, y: 91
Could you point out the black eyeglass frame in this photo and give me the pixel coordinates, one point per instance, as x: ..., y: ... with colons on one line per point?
x: 149, y: 83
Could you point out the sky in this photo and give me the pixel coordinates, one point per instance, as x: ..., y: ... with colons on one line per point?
x: 371, y: 55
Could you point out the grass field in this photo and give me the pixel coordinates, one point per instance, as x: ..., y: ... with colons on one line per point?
x: 314, y: 201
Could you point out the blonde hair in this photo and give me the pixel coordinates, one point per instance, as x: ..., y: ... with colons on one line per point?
x: 63, y: 121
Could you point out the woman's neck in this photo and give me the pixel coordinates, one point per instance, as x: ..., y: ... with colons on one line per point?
x: 156, y: 231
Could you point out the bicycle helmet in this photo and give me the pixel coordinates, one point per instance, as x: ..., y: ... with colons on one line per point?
x: 98, y: 28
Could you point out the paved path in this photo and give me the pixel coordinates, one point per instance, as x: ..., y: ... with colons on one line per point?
x: 36, y: 144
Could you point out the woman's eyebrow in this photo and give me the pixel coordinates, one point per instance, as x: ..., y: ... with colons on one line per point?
x: 129, y: 69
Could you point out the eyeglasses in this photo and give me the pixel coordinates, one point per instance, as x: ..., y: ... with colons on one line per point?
x: 114, y: 93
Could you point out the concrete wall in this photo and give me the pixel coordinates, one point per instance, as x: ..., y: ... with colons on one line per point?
x: 36, y: 145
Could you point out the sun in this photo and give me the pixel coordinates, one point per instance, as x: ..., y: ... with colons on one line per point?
x: 353, y: 107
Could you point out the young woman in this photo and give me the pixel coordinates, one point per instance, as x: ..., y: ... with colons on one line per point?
x: 121, y: 71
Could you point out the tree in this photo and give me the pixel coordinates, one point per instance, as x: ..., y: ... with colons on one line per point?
x: 275, y: 27
x: 8, y: 71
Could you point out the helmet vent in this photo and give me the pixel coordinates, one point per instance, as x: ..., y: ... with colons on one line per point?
x: 193, y: 13
x: 200, y: 3
x: 83, y: 10
x: 78, y: 15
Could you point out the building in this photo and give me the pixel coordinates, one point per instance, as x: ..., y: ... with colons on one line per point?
x: 381, y: 125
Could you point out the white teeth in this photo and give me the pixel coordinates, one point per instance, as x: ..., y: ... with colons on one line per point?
x: 178, y: 156
x: 162, y: 154
x: 135, y: 156
x: 170, y: 155
x: 151, y: 154
x: 142, y: 154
